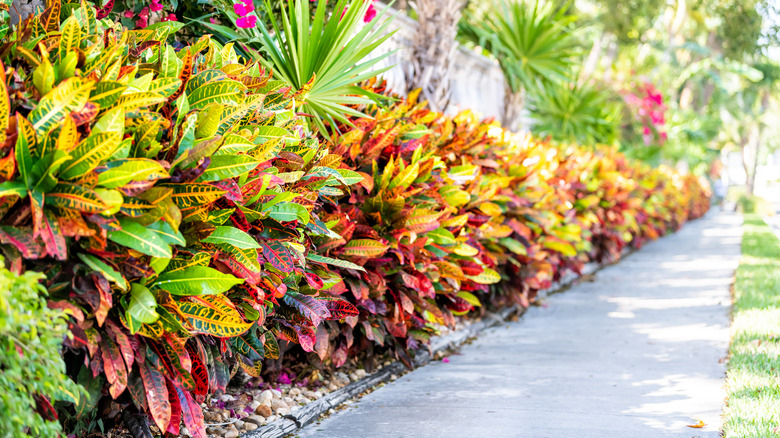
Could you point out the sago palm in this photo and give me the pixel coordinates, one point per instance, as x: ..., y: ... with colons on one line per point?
x: 531, y: 43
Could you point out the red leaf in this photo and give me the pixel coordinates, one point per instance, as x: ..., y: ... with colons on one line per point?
x: 22, y: 239
x: 105, y: 297
x: 114, y: 367
x: 156, y: 395
x: 123, y: 341
x: 340, y: 309
x: 176, y: 408
x: 200, y: 373
x: 311, y: 308
x: 53, y: 238
x: 277, y: 255
x: 322, y: 344
x: 191, y: 413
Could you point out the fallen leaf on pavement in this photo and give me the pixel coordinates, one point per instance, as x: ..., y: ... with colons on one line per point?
x: 698, y: 425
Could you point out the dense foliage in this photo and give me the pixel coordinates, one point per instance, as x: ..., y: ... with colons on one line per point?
x: 191, y: 225
x: 31, y: 368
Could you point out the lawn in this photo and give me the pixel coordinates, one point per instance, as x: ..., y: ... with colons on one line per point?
x: 753, y: 381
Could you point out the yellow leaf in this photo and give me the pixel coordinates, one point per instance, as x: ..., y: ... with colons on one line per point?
x: 698, y: 425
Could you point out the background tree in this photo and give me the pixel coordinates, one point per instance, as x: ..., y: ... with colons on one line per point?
x: 433, y: 50
x: 532, y: 43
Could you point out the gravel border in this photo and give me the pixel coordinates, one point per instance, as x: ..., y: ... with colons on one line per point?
x: 312, y: 411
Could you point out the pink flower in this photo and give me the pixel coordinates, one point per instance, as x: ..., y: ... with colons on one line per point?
x: 170, y: 17
x: 213, y: 20
x: 156, y: 6
x: 370, y: 14
x: 242, y: 9
x: 129, y: 14
x: 247, y: 22
x: 446, y: 359
x: 248, y: 3
x: 141, y: 22
x: 144, y: 13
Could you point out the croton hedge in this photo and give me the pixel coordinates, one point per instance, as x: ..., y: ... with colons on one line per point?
x: 190, y: 225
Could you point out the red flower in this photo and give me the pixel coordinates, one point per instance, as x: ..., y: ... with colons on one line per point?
x: 156, y: 6
x: 370, y: 14
x: 243, y: 10
x: 247, y: 22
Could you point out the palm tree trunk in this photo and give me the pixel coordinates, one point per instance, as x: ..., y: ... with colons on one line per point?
x: 433, y: 50
x: 514, y: 105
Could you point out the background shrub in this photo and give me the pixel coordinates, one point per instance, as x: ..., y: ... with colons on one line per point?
x: 32, y: 373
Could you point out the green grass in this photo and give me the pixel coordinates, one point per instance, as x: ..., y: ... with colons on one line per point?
x: 753, y: 381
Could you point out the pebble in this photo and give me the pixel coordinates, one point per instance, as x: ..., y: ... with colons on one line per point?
x: 305, y: 400
x: 226, y: 398
x: 276, y: 393
x: 393, y: 377
x: 360, y: 373
x: 266, y: 397
x: 184, y: 431
x: 310, y: 394
x: 238, y: 424
x: 257, y: 418
x: 278, y: 404
x: 283, y: 411
x: 231, y: 433
x: 212, y: 417
x: 215, y: 431
x: 254, y: 404
x: 263, y: 410
x: 250, y: 426
x: 295, y: 391
x: 242, y: 414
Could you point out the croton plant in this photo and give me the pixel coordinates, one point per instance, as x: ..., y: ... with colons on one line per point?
x: 191, y: 226
x: 169, y: 197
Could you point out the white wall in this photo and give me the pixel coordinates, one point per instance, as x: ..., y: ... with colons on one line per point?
x: 478, y: 83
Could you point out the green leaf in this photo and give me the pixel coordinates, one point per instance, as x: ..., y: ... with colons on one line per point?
x: 135, y: 236
x: 365, y: 248
x: 470, y: 298
x: 289, y: 211
x: 232, y: 236
x: 441, y: 236
x: 133, y: 169
x: 488, y: 276
x: 223, y: 167
x: 335, y: 262
x: 90, y: 153
x: 110, y: 273
x: 196, y: 280
x: 167, y: 233
x: 68, y: 96
x: 142, y: 304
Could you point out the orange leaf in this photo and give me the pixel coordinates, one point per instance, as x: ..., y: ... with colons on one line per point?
x: 698, y: 425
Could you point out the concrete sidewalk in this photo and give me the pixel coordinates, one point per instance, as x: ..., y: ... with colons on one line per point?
x: 635, y: 353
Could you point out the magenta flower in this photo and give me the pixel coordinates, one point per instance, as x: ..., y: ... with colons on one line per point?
x: 129, y: 14
x: 141, y: 22
x: 243, y: 10
x: 144, y: 13
x: 370, y: 14
x: 247, y: 22
x: 284, y: 379
x: 156, y: 6
x: 170, y: 17
x: 213, y: 20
